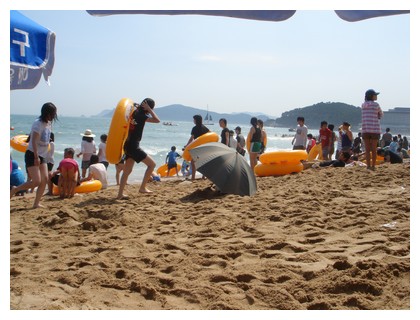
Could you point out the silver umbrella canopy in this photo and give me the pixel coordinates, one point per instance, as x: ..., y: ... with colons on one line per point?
x: 226, y: 168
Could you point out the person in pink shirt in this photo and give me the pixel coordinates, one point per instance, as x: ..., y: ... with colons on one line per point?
x: 69, y: 177
x: 371, y: 128
x: 311, y: 142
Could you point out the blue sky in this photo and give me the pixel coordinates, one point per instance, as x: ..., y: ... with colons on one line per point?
x: 232, y: 65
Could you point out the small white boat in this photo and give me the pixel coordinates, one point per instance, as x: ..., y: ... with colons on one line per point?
x: 208, y: 120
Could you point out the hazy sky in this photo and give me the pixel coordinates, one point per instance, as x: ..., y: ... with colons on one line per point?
x: 232, y: 65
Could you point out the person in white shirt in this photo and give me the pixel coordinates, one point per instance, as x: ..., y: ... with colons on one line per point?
x: 88, y: 148
x: 97, y: 171
x: 36, y: 153
x: 232, y: 143
x: 301, y: 136
x: 102, y: 151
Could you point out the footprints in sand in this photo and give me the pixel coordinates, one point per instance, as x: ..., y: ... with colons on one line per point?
x: 288, y: 249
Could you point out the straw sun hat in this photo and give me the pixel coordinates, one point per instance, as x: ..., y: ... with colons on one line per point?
x: 88, y: 133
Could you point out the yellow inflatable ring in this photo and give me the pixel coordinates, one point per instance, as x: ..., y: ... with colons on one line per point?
x: 19, y: 142
x: 290, y: 156
x: 315, y: 152
x: 379, y: 160
x: 163, y: 170
x: 248, y: 143
x: 84, y: 187
x: 118, y: 131
x: 265, y: 139
x: 277, y: 169
x: 205, y: 138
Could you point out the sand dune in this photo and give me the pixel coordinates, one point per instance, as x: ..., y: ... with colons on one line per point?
x: 336, y: 238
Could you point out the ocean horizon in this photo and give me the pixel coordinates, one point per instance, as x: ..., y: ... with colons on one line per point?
x: 157, y: 138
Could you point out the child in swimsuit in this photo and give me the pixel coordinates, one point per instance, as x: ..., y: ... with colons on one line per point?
x: 69, y: 174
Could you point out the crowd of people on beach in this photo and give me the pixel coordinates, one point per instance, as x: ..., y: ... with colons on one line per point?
x: 338, y: 149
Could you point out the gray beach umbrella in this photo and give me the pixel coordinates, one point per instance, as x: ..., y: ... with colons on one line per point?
x: 225, y: 167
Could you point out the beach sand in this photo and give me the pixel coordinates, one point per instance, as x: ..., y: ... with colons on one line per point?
x: 335, y: 238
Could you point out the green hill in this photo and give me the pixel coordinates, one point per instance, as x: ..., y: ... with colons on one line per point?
x: 332, y: 112
x: 179, y: 112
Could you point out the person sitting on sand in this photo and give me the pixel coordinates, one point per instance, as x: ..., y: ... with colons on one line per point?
x: 97, y: 171
x: 389, y: 156
x: 343, y: 159
x: 133, y: 153
x: 17, y: 176
x: 394, y: 145
x: 185, y: 168
x: 68, y: 174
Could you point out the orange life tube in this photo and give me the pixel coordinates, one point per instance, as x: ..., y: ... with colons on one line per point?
x: 163, y: 170
x: 19, y: 143
x: 277, y: 169
x: 291, y: 156
x: 84, y: 187
x: 205, y: 138
x: 315, y: 152
x: 118, y: 131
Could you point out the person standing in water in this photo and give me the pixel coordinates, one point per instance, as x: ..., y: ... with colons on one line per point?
x: 133, y: 153
x: 255, y: 139
x: 198, y: 130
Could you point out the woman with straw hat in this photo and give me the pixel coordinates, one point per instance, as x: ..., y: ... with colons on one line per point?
x: 88, y: 148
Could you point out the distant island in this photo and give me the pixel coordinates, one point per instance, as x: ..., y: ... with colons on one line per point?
x: 179, y: 112
x: 332, y: 112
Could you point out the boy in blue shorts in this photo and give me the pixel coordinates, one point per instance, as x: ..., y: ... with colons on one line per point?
x: 171, y: 160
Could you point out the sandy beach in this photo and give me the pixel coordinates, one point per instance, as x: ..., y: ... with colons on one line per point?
x: 334, y: 238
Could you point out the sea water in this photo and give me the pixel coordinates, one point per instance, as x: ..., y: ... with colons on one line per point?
x: 157, y: 139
